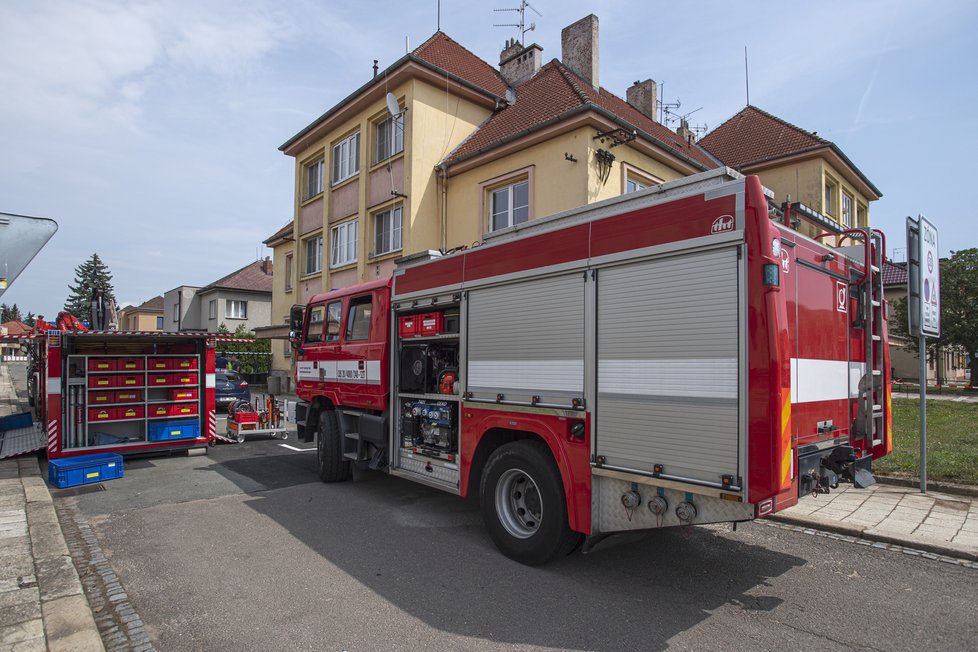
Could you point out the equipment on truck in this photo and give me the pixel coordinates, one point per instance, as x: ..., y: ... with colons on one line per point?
x: 673, y: 356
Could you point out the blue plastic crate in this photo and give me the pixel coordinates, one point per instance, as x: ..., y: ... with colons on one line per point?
x: 176, y: 429
x: 84, y: 469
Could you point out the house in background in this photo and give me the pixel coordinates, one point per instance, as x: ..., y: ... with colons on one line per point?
x: 283, y: 284
x: 243, y: 297
x: 147, y: 316
x: 12, y: 349
x: 797, y: 165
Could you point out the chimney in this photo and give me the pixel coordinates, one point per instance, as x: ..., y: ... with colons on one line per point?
x: 643, y: 96
x: 684, y: 132
x: 266, y: 265
x: 579, y: 48
x: 517, y: 63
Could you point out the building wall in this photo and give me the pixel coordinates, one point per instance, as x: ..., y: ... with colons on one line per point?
x: 259, y: 309
x: 183, y: 297
x: 282, y: 300
x: 140, y: 320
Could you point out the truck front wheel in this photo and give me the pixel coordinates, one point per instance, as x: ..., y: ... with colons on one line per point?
x: 523, y: 504
x: 329, y: 449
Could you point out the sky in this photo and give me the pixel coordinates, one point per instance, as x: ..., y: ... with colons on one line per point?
x: 150, y: 130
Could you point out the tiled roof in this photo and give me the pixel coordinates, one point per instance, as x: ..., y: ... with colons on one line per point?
x: 554, y: 92
x: 753, y: 135
x: 442, y: 51
x: 251, y: 277
x: 16, y: 327
x: 281, y: 233
x: 156, y: 303
x: 894, y: 273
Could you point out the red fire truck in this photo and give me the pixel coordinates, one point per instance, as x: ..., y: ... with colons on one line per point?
x: 673, y: 356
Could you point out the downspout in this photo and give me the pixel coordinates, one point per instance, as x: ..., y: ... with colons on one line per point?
x: 444, y: 206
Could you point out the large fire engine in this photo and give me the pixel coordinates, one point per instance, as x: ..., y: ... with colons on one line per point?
x: 674, y: 356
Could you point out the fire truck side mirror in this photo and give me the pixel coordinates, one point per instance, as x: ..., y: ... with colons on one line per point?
x: 296, y: 315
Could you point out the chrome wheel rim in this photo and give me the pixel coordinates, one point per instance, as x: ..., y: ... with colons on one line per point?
x: 519, y: 504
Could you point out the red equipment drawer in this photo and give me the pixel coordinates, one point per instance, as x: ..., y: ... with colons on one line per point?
x: 130, y: 364
x: 433, y: 323
x: 101, y: 364
x: 101, y: 382
x: 179, y: 364
x: 246, y: 417
x: 130, y: 412
x: 183, y: 394
x: 408, y: 325
x: 156, y: 380
x: 158, y: 364
x: 129, y: 380
x: 102, y: 414
x: 182, y: 409
x: 158, y: 410
x: 97, y: 398
x: 128, y: 396
x: 183, y: 379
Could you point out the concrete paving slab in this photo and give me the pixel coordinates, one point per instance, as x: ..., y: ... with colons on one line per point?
x: 68, y: 625
x: 21, y: 632
x: 47, y: 540
x: 57, y: 578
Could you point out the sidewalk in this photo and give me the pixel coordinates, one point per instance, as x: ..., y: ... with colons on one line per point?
x: 42, y: 604
x: 941, y: 523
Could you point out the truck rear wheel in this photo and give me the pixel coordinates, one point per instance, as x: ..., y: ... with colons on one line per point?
x: 523, y: 504
x: 329, y: 449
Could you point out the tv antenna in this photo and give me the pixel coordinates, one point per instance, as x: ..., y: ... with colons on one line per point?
x: 522, y: 24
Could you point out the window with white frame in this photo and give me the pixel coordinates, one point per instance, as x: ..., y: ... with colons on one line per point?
x: 288, y: 272
x: 831, y: 193
x: 509, y: 205
x: 343, y: 244
x: 234, y: 309
x: 846, y: 210
x: 314, y: 255
x: 212, y: 309
x: 632, y: 184
x: 176, y: 313
x: 389, y: 137
x: 314, y: 178
x: 346, y: 158
x: 861, y: 218
x: 387, y: 231
x: 159, y: 323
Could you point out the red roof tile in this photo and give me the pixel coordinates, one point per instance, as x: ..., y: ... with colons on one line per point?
x: 251, y: 277
x: 156, y: 303
x: 442, y: 51
x: 281, y: 233
x: 552, y: 93
x: 894, y: 274
x: 753, y: 136
x: 15, y: 327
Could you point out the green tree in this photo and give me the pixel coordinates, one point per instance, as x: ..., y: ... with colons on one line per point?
x: 91, y: 274
x: 10, y: 313
x: 30, y: 319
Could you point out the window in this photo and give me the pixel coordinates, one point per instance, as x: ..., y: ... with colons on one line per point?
x: 509, y: 205
x: 632, y: 184
x: 862, y: 218
x: 343, y: 244
x: 387, y: 231
x: 159, y: 323
x: 314, y: 178
x: 314, y: 331
x: 358, y: 321
x: 346, y: 158
x: 314, y: 255
x: 212, y: 309
x: 846, y: 210
x: 333, y: 321
x: 236, y: 309
x: 831, y: 191
x: 389, y: 137
x: 176, y: 313
x: 288, y: 268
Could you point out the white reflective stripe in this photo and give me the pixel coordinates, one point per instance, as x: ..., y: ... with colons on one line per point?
x: 824, y: 380
x: 697, y: 377
x: 558, y: 375
x: 54, y: 385
x: 210, y: 381
x: 342, y: 371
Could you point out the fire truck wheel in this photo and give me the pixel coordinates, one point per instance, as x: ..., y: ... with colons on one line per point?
x: 523, y: 504
x: 329, y: 449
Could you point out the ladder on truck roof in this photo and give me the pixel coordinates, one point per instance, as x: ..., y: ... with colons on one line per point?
x: 870, y: 426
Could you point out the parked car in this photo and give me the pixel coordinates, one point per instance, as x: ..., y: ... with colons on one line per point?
x: 230, y: 387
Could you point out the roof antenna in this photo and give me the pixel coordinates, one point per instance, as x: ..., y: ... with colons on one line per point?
x: 746, y: 75
x: 439, y: 15
x: 522, y: 24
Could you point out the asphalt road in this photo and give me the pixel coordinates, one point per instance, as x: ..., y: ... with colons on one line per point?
x: 244, y: 549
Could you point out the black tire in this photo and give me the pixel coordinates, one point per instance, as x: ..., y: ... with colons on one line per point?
x: 329, y: 449
x: 523, y: 504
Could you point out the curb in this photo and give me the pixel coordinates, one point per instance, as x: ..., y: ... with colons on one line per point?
x: 943, y: 487
x: 871, y: 534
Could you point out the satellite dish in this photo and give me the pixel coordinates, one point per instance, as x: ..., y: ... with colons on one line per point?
x: 392, y: 106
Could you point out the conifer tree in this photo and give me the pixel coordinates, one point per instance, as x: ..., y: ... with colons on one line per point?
x: 91, y: 274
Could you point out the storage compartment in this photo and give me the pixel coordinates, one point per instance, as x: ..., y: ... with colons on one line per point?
x: 158, y: 364
x: 101, y: 364
x: 423, y: 367
x: 167, y: 430
x: 158, y: 380
x: 188, y: 394
x: 158, y: 410
x: 432, y: 323
x: 180, y: 364
x: 101, y: 382
x: 101, y: 398
x: 183, y: 379
x: 130, y: 412
x: 452, y: 321
x: 182, y: 409
x: 129, y: 396
x: 130, y: 364
x: 429, y: 427
x: 101, y: 414
x: 408, y: 326
x: 129, y: 380
x: 84, y: 469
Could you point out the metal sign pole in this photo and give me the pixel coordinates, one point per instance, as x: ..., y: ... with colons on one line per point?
x: 923, y: 414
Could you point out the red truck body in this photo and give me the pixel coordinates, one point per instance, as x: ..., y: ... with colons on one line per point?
x: 673, y: 356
